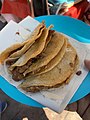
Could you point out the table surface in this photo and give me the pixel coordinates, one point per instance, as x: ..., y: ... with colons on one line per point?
x: 21, y: 110
x: 75, y: 29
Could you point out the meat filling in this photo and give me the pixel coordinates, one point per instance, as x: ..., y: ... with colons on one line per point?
x: 17, y: 73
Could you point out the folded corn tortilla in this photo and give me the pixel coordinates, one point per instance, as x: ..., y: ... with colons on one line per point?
x: 20, y: 46
x: 52, y: 49
x: 28, y: 44
x: 55, y: 77
x: 53, y: 62
x: 34, y: 50
x: 17, y: 72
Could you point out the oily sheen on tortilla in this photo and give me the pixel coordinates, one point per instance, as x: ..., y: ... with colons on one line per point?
x: 55, y: 77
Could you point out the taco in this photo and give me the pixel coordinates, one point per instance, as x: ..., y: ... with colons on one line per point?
x: 52, y: 49
x: 31, y: 55
x: 53, y: 62
x: 17, y: 49
x: 55, y: 77
x: 34, y: 50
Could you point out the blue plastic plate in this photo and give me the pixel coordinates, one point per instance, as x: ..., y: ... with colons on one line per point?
x: 69, y: 26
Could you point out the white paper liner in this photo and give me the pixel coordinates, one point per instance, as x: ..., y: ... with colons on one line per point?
x: 56, y: 98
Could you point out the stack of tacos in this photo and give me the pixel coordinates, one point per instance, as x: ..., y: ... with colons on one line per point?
x: 46, y: 60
